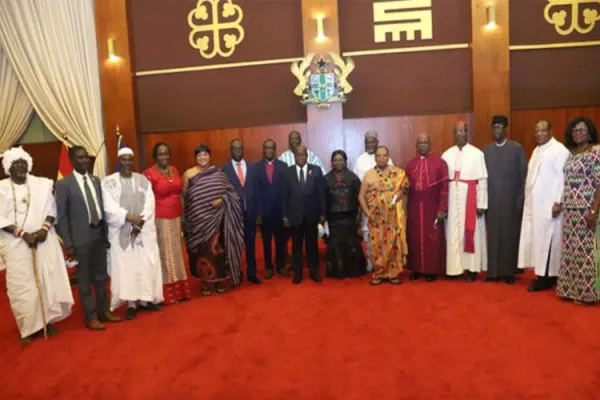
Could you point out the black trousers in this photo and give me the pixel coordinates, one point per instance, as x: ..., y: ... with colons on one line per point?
x: 250, y: 245
x: 307, y: 234
x: 91, y: 271
x: 272, y: 227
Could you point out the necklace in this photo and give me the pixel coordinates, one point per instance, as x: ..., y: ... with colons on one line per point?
x: 168, y: 174
x: 26, y: 201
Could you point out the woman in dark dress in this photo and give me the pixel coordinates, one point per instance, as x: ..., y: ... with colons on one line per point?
x: 345, y: 257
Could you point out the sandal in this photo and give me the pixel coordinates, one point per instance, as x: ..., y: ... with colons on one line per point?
x: 375, y: 282
x: 219, y: 289
x: 395, y: 281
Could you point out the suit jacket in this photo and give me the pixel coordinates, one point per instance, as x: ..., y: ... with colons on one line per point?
x: 73, y: 224
x: 245, y: 192
x: 268, y: 196
x: 304, y: 201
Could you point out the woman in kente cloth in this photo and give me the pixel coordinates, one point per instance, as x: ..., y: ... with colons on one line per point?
x: 345, y: 257
x: 213, y: 225
x: 383, y: 200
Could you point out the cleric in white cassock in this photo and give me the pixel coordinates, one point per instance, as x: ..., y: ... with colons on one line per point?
x: 135, y: 268
x: 27, y: 210
x: 541, y: 230
x: 466, y: 248
x: 364, y: 163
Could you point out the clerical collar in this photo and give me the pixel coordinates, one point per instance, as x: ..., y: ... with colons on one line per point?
x: 501, y: 144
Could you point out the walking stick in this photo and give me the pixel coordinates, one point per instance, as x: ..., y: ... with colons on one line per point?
x: 39, y: 289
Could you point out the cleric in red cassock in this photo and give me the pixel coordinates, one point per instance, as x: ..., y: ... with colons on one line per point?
x: 427, y: 208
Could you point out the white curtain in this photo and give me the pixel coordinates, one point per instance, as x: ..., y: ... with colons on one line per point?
x: 51, y: 45
x: 15, y: 108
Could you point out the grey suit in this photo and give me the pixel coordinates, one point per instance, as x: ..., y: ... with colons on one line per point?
x: 88, y: 242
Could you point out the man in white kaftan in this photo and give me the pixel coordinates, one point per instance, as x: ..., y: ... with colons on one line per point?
x: 541, y: 229
x: 466, y: 249
x: 364, y: 163
x: 135, y: 267
x: 27, y: 210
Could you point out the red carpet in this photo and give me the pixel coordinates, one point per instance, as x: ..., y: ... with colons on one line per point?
x: 336, y: 340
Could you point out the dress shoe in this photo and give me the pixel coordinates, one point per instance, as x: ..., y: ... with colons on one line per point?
x: 430, y: 278
x: 413, y: 276
x: 297, y: 280
x: 283, y: 272
x: 109, y: 317
x: 470, y: 276
x: 254, y: 279
x: 130, y: 314
x: 268, y: 274
x: 510, y: 280
x: 150, y: 307
x: 540, y: 284
x: 52, y: 331
x: 316, y: 278
x: 94, y: 325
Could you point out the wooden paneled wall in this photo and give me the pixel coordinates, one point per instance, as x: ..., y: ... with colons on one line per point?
x: 523, y: 122
x: 326, y: 131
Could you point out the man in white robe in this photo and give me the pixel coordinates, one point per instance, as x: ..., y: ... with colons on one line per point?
x: 364, y: 163
x: 134, y: 258
x: 27, y: 211
x: 542, y: 225
x: 466, y: 250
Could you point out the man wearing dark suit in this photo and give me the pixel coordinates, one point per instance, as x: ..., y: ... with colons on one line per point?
x: 241, y: 176
x: 82, y: 228
x: 303, y: 209
x: 269, y: 187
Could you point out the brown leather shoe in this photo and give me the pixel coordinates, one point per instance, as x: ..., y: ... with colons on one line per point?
x: 109, y: 317
x: 94, y: 325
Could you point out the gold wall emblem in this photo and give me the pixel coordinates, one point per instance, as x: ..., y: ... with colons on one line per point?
x: 557, y: 11
x: 398, y: 16
x: 210, y: 35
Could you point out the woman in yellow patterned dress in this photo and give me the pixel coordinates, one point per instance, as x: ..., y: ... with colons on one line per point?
x: 383, y: 200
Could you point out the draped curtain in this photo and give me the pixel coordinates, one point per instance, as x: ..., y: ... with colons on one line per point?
x: 15, y: 108
x: 51, y: 45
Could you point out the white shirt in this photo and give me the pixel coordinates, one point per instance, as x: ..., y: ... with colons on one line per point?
x: 364, y: 163
x: 90, y: 183
x: 304, y: 169
x: 243, y: 165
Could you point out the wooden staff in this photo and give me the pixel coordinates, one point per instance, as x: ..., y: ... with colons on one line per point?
x: 39, y: 289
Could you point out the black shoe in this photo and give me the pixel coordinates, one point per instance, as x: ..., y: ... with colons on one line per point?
x: 268, y: 274
x: 52, y: 331
x: 254, y: 279
x: 470, y: 276
x: 130, y: 314
x: 430, y: 278
x: 490, y: 279
x: 283, y: 272
x: 414, y: 276
x: 541, y: 284
x: 316, y: 278
x: 297, y: 280
x: 150, y: 307
x: 520, y: 271
x: 511, y: 280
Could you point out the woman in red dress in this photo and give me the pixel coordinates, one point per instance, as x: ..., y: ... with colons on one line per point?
x: 167, y: 186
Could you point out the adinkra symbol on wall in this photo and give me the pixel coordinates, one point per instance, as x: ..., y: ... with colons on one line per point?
x: 399, y: 16
x: 216, y: 27
x: 557, y: 11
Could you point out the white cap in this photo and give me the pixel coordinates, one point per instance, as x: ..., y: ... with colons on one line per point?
x: 125, y: 151
x: 14, y: 154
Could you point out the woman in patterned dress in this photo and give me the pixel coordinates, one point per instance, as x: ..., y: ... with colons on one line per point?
x: 345, y: 257
x: 578, y: 277
x: 383, y: 200
x: 167, y: 186
x: 213, y: 224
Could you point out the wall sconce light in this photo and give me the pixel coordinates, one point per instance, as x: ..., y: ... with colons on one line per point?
x: 320, y: 32
x: 491, y: 16
x: 112, y: 54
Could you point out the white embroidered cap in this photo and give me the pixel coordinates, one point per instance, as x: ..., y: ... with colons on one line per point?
x: 125, y: 151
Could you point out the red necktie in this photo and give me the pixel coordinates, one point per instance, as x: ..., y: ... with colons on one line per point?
x: 240, y: 173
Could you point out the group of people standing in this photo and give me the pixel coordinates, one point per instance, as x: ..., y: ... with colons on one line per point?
x: 456, y: 215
